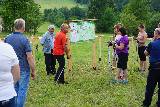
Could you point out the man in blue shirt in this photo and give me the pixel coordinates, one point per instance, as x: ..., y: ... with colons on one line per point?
x: 153, y: 50
x: 21, y: 46
x: 47, y: 42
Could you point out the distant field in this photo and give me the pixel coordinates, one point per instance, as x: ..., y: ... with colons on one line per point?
x: 47, y: 4
x: 43, y: 28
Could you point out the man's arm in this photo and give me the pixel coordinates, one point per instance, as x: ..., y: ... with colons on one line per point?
x: 43, y: 39
x: 31, y: 64
x: 15, y: 72
x: 148, y: 49
x: 146, y: 53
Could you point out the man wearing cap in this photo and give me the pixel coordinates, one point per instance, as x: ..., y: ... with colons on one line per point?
x: 47, y: 42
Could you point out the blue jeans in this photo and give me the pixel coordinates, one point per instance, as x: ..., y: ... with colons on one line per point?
x: 21, y: 88
x: 8, y: 103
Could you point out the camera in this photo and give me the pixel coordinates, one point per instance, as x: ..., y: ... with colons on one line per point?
x: 111, y: 43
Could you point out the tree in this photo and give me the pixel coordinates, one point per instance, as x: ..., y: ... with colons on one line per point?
x: 59, y: 18
x: 78, y: 12
x: 108, y: 20
x: 26, y: 9
x: 153, y: 22
x: 155, y: 5
x: 82, y: 1
x: 66, y: 12
x: 120, y: 4
x: 134, y: 13
x: 97, y: 10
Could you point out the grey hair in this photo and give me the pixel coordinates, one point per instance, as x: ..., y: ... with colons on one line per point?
x: 51, y: 27
x: 63, y: 25
x: 158, y: 31
x: 19, y: 24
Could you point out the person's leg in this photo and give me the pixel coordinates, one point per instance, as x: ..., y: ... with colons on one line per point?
x: 47, y: 62
x: 59, y: 77
x: 144, y: 59
x: 118, y: 74
x: 53, y: 64
x: 144, y: 65
x: 125, y: 74
x: 8, y: 103
x: 23, y: 87
x: 158, y: 75
x: 141, y: 65
x: 151, y: 84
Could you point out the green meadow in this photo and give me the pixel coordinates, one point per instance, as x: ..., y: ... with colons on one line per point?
x: 87, y: 87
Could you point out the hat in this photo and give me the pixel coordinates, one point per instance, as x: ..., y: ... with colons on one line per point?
x: 51, y: 27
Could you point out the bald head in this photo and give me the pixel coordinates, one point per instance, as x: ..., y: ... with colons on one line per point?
x: 64, y: 27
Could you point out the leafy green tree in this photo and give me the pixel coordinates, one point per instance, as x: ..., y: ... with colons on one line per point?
x: 82, y: 1
x: 26, y: 9
x: 59, y: 18
x: 120, y: 4
x: 78, y: 12
x: 66, y: 12
x: 108, y: 20
x: 153, y: 22
x: 155, y: 5
x: 134, y: 13
x: 97, y: 9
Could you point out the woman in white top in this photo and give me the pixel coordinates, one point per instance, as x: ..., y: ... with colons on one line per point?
x: 116, y: 37
x: 141, y: 40
x: 9, y: 75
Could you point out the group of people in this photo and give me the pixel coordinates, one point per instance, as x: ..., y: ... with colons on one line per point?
x: 54, y: 48
x: 18, y: 62
x: 152, y: 50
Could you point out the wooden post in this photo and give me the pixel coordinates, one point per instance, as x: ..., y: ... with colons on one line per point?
x: 94, y: 56
x: 69, y: 64
x: 100, y: 47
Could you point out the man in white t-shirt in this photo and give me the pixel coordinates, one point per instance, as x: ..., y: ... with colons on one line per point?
x: 9, y: 74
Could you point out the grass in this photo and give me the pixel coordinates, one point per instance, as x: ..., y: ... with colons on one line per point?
x: 51, y: 4
x: 44, y: 27
x: 87, y: 87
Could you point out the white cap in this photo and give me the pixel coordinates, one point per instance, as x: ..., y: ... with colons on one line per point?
x: 51, y: 27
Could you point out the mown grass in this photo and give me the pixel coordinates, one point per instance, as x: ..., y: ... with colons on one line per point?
x: 87, y: 87
x: 44, y: 27
x: 51, y: 4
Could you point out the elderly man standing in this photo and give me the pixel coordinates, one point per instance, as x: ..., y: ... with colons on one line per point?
x: 47, y: 43
x: 21, y: 46
x: 59, y: 50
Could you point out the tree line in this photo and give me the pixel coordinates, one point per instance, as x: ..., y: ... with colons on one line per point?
x: 57, y: 16
x: 130, y: 13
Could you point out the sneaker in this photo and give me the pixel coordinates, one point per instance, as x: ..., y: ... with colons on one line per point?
x: 114, y: 81
x: 144, y: 105
x: 125, y: 81
x: 63, y: 82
